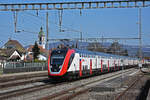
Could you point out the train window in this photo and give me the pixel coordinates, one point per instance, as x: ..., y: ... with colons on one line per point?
x: 85, y: 67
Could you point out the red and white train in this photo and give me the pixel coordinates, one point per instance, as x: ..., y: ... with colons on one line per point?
x: 68, y: 63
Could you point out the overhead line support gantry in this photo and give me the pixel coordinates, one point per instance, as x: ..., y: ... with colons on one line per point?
x: 74, y: 5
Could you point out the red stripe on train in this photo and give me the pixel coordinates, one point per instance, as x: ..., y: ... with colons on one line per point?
x: 90, y: 66
x: 49, y: 63
x: 108, y: 65
x: 80, y: 67
x: 101, y: 65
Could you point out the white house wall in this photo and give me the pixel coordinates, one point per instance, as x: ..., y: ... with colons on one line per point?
x: 15, y: 54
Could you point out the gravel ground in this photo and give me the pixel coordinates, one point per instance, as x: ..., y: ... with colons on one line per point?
x: 111, y: 89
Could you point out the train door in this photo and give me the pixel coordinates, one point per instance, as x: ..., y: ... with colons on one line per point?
x: 85, y: 65
x: 110, y: 63
x: 104, y: 64
x: 94, y: 63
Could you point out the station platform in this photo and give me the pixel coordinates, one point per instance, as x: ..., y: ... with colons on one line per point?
x: 22, y: 73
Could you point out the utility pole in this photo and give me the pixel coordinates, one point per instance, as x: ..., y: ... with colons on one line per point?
x: 81, y: 37
x: 47, y: 33
x: 81, y: 30
x: 140, y: 38
x: 15, y: 21
x: 140, y: 35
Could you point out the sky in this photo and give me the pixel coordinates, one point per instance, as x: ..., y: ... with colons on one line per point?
x: 108, y: 22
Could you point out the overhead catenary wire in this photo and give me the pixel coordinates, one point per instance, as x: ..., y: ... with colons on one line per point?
x: 62, y: 26
x: 20, y: 28
x: 39, y: 17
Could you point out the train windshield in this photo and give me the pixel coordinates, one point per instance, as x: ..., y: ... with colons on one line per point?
x: 57, y: 59
x: 58, y: 56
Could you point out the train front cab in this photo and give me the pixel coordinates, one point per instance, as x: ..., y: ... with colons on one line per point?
x: 58, y: 62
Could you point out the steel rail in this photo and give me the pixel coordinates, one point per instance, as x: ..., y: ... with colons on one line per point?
x: 23, y: 91
x: 22, y: 82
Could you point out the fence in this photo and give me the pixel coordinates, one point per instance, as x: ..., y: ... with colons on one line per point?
x: 15, y: 67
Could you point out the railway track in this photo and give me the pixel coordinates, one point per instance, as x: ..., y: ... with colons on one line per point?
x: 28, y: 90
x: 69, y: 93
x: 22, y: 82
x: 9, y: 84
x: 13, y: 77
x: 129, y: 87
x: 47, y: 88
x: 23, y: 91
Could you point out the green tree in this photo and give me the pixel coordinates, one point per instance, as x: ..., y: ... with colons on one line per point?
x: 36, y: 51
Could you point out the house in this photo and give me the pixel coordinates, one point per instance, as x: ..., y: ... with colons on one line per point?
x: 42, y: 55
x: 10, y: 55
x: 12, y: 51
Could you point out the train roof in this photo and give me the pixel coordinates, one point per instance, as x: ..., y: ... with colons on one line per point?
x: 87, y: 52
x: 102, y: 54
